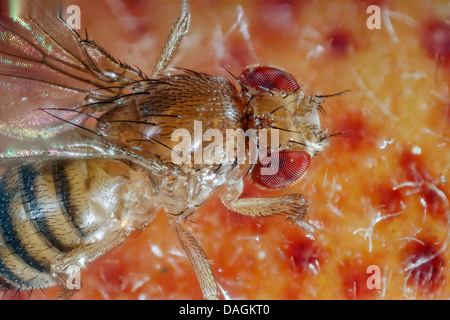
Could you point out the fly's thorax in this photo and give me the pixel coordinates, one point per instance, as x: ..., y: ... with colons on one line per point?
x: 120, y: 125
x: 173, y: 113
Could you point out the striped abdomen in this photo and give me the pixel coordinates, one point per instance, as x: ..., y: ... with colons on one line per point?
x: 41, y: 207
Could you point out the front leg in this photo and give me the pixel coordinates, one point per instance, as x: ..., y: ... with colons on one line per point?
x: 293, y: 206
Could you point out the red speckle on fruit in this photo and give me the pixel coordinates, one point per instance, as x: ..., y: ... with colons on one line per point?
x: 340, y: 42
x: 391, y: 199
x: 305, y: 255
x: 413, y: 167
x: 354, y: 280
x: 436, y: 39
x: 356, y: 133
x: 424, y: 265
x: 435, y: 199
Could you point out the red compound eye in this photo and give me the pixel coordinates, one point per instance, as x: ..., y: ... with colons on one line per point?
x: 289, y: 169
x: 269, y: 78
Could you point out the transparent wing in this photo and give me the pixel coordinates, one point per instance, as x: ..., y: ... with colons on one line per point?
x: 52, y: 81
x: 46, y: 68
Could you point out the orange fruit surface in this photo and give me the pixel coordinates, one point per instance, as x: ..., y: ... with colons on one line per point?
x: 379, y: 193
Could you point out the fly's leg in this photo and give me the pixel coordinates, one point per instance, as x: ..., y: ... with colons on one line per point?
x: 179, y: 29
x: 198, y: 260
x: 293, y: 206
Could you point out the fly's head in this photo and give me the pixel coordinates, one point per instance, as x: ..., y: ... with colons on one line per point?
x: 274, y: 101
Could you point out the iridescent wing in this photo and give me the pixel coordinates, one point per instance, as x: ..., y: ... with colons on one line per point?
x: 53, y: 81
x: 44, y: 65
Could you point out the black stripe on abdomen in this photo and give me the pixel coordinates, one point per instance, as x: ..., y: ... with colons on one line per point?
x: 63, y: 191
x: 31, y: 204
x: 13, y: 239
x: 8, y: 235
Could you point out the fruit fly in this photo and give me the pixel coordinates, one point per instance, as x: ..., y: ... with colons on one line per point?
x: 91, y: 157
